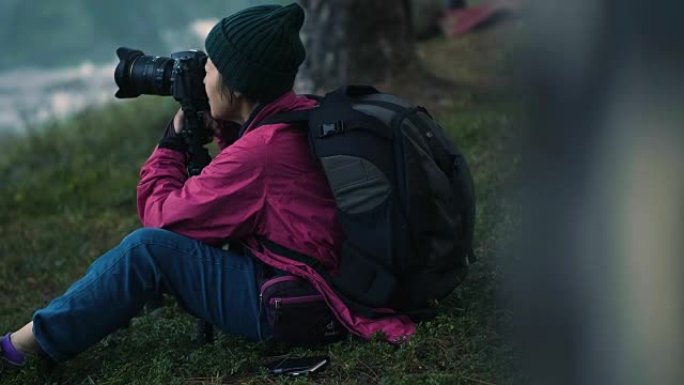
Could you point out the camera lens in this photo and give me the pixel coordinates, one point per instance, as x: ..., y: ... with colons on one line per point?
x: 138, y: 74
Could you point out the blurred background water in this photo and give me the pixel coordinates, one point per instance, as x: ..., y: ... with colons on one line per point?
x: 59, y: 57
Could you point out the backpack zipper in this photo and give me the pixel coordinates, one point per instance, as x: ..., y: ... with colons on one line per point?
x: 277, y: 302
x: 276, y: 280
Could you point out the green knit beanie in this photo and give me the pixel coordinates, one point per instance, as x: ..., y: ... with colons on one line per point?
x: 258, y: 50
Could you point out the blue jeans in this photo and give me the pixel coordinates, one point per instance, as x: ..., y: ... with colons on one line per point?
x: 212, y: 284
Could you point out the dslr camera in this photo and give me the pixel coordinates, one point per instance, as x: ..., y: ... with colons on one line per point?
x: 180, y: 76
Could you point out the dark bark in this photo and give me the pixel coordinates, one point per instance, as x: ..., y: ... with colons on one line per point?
x: 355, y: 41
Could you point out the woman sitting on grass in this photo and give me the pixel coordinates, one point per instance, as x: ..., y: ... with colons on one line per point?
x: 264, y: 184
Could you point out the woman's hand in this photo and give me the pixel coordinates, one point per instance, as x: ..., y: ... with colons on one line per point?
x: 225, y: 132
x: 178, y: 121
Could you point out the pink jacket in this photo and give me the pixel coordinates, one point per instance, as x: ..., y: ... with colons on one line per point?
x: 265, y: 184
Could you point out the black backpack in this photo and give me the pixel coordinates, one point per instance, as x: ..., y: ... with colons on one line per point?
x: 405, y: 201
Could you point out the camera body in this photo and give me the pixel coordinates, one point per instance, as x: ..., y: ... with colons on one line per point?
x: 188, y: 74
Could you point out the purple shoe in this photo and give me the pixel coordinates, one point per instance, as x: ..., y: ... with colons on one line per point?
x: 9, y: 354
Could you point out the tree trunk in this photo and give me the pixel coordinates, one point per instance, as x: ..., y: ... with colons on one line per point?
x: 355, y: 41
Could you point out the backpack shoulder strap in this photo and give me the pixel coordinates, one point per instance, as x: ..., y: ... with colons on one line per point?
x: 303, y: 116
x: 300, y: 118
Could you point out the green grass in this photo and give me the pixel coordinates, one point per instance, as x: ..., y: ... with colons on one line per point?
x: 67, y: 194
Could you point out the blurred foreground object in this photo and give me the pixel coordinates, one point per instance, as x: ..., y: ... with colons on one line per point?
x: 597, y: 285
x: 458, y: 20
x: 425, y: 15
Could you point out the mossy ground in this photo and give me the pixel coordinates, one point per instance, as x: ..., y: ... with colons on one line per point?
x: 67, y: 194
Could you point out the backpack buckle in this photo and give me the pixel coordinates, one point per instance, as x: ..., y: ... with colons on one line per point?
x: 328, y: 129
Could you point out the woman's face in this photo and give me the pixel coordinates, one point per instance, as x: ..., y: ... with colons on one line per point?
x: 219, y: 102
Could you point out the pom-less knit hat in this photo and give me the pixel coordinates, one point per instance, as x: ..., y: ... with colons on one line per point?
x: 258, y: 51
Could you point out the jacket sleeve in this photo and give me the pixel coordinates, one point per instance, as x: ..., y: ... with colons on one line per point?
x: 224, y: 201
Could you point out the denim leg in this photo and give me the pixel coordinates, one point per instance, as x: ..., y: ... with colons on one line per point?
x: 215, y: 285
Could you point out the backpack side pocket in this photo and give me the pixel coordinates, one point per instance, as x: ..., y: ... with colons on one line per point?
x: 297, y: 313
